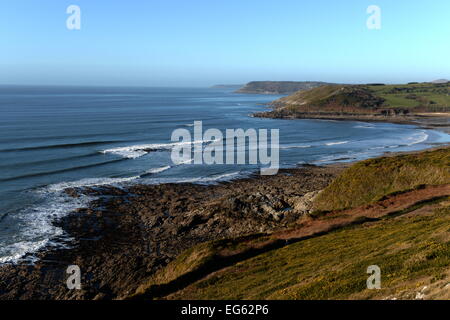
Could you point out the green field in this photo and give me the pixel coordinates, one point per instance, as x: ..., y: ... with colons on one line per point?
x: 405, y: 99
x: 433, y: 97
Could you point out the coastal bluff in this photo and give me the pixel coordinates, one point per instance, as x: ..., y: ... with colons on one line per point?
x: 279, y: 87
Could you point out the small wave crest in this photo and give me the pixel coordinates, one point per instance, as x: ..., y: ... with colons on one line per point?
x: 38, y: 230
x: 335, y: 143
x: 59, y: 146
x: 136, y: 151
x: 417, y: 138
x: 299, y: 146
x: 158, y: 170
x: 88, y: 182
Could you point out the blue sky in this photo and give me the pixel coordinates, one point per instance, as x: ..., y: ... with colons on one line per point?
x: 204, y: 42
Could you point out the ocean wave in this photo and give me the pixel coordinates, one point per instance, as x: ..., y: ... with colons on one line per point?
x: 37, y: 229
x: 416, y: 138
x: 60, y: 146
x: 15, y: 252
x: 343, y: 157
x: 198, y: 180
x: 88, y: 182
x: 158, y: 170
x: 335, y: 143
x: 186, y: 161
x: 46, y: 173
x: 299, y: 146
x: 48, y: 161
x: 219, y: 177
x: 136, y: 151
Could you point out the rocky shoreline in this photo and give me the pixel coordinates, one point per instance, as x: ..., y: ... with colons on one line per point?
x: 426, y: 121
x: 129, y: 233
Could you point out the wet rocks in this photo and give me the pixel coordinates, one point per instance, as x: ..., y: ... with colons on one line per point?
x: 304, y: 204
x: 126, y: 235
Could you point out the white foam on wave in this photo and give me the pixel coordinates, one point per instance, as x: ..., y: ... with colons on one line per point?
x: 343, y: 157
x: 186, y: 161
x: 219, y: 177
x: 13, y: 253
x: 199, y: 180
x: 299, y: 146
x: 136, y: 151
x: 416, y: 138
x: 158, y: 170
x: 37, y: 229
x: 335, y: 143
x: 88, y: 182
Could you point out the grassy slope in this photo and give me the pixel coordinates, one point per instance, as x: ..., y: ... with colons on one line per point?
x: 370, y: 180
x: 278, y: 87
x: 431, y: 96
x: 411, y: 250
x: 422, y: 97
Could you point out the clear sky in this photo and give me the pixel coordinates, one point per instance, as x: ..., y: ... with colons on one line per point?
x: 205, y: 42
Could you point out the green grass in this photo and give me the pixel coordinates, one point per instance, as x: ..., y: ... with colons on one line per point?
x: 426, y: 95
x: 197, y: 258
x: 370, y: 180
x: 395, y: 100
x: 410, y: 251
x: 415, y: 98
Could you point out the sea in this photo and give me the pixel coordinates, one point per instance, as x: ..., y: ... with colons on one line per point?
x: 57, y: 137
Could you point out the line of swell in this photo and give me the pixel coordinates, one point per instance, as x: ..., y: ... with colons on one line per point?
x: 38, y: 162
x: 80, y: 136
x: 58, y: 146
x: 39, y: 174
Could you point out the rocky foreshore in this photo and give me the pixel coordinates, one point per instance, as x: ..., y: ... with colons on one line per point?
x: 436, y: 121
x: 129, y: 233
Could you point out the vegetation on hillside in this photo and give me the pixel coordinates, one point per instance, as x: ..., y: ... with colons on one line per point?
x: 412, y: 252
x: 278, y: 87
x: 372, y: 99
x: 370, y: 180
x: 411, y: 245
x: 431, y: 97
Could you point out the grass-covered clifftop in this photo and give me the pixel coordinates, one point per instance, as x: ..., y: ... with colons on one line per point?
x: 370, y: 180
x: 279, y: 87
x: 399, y: 220
x: 412, y: 251
x: 376, y: 100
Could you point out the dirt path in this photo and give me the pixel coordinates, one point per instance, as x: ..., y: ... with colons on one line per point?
x: 392, y: 205
x: 310, y: 227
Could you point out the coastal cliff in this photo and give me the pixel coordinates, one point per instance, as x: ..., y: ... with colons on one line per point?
x: 306, y: 233
x: 279, y: 87
x: 376, y: 102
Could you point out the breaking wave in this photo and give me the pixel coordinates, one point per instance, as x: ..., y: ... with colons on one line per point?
x: 136, y: 151
x: 335, y: 143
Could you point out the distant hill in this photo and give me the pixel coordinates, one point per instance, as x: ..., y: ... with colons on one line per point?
x: 227, y: 86
x: 371, y: 102
x: 440, y: 81
x: 279, y: 87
